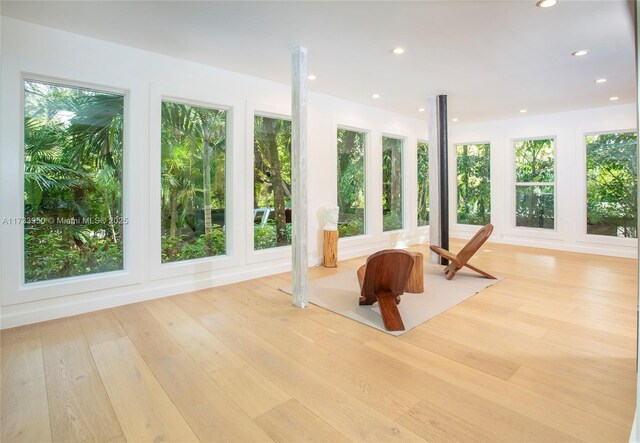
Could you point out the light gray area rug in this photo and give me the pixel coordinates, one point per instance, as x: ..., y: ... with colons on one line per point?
x: 340, y: 293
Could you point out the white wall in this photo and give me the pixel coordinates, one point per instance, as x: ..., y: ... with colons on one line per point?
x: 146, y: 77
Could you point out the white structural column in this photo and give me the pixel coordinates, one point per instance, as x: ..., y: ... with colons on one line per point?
x: 635, y: 430
x: 434, y: 177
x: 299, y: 176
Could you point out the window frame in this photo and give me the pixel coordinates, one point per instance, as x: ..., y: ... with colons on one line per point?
x: 371, y: 167
x: 14, y: 288
x: 254, y: 256
x: 159, y: 270
x: 584, y: 237
x: 403, y: 183
x: 515, y: 184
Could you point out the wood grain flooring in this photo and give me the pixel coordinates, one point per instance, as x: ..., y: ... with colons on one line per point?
x: 548, y: 354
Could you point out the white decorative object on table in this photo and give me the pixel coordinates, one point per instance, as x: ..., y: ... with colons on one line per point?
x: 330, y: 215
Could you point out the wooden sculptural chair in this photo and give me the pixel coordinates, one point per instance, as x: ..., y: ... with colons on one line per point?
x: 461, y: 259
x: 383, y: 279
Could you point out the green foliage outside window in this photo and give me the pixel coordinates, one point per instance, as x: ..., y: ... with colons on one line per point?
x: 612, y: 186
x: 272, y: 181
x: 391, y: 184
x: 535, y: 161
x: 423, y: 184
x: 351, y: 182
x: 535, y: 206
x: 474, y: 184
x: 73, y: 151
x: 193, y: 143
x: 535, y: 190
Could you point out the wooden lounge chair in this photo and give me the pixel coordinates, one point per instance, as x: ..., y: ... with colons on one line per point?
x: 383, y: 279
x: 460, y: 260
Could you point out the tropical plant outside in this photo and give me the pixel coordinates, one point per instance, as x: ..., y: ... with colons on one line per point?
x: 612, y: 184
x: 351, y: 182
x: 423, y: 183
x: 535, y: 177
x: 474, y: 184
x: 73, y: 155
x: 193, y: 148
x: 392, y: 184
x: 272, y: 180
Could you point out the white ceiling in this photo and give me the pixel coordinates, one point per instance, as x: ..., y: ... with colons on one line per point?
x: 492, y: 58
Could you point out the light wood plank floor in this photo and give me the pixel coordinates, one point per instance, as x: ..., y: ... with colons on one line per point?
x: 548, y: 354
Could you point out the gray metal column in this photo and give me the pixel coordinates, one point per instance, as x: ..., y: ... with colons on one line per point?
x: 438, y: 176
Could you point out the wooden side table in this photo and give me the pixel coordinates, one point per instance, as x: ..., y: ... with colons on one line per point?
x: 330, y: 249
x: 415, y: 284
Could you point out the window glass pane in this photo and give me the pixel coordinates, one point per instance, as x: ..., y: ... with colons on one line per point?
x: 193, y: 182
x: 391, y: 184
x: 474, y: 184
x: 535, y: 207
x: 534, y: 161
x: 423, y: 184
x: 272, y: 182
x: 612, y: 184
x: 73, y: 142
x: 351, y: 182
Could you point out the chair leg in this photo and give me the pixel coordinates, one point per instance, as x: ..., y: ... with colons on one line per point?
x: 479, y: 271
x: 450, y: 271
x: 389, y: 312
x: 360, y: 273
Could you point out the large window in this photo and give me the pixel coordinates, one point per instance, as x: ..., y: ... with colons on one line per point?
x: 193, y: 182
x: 272, y: 182
x: 612, y: 184
x: 351, y: 182
x: 391, y: 184
x: 73, y: 150
x: 474, y: 184
x: 423, y: 184
x: 535, y: 183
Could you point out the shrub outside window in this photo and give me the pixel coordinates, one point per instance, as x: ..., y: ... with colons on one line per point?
x: 272, y: 182
x: 351, y: 182
x: 193, y: 140
x: 73, y: 166
x: 612, y: 184
x: 423, y: 183
x: 392, y: 184
x: 474, y: 184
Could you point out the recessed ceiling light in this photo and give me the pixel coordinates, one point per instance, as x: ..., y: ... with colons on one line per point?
x: 601, y: 80
x: 420, y: 109
x: 398, y: 51
x: 613, y: 99
x: 311, y: 77
x: 580, y: 53
x: 546, y: 3
x: 523, y: 111
x: 454, y: 119
x: 375, y: 96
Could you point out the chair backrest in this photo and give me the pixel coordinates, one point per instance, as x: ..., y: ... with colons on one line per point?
x: 475, y: 243
x: 387, y: 270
